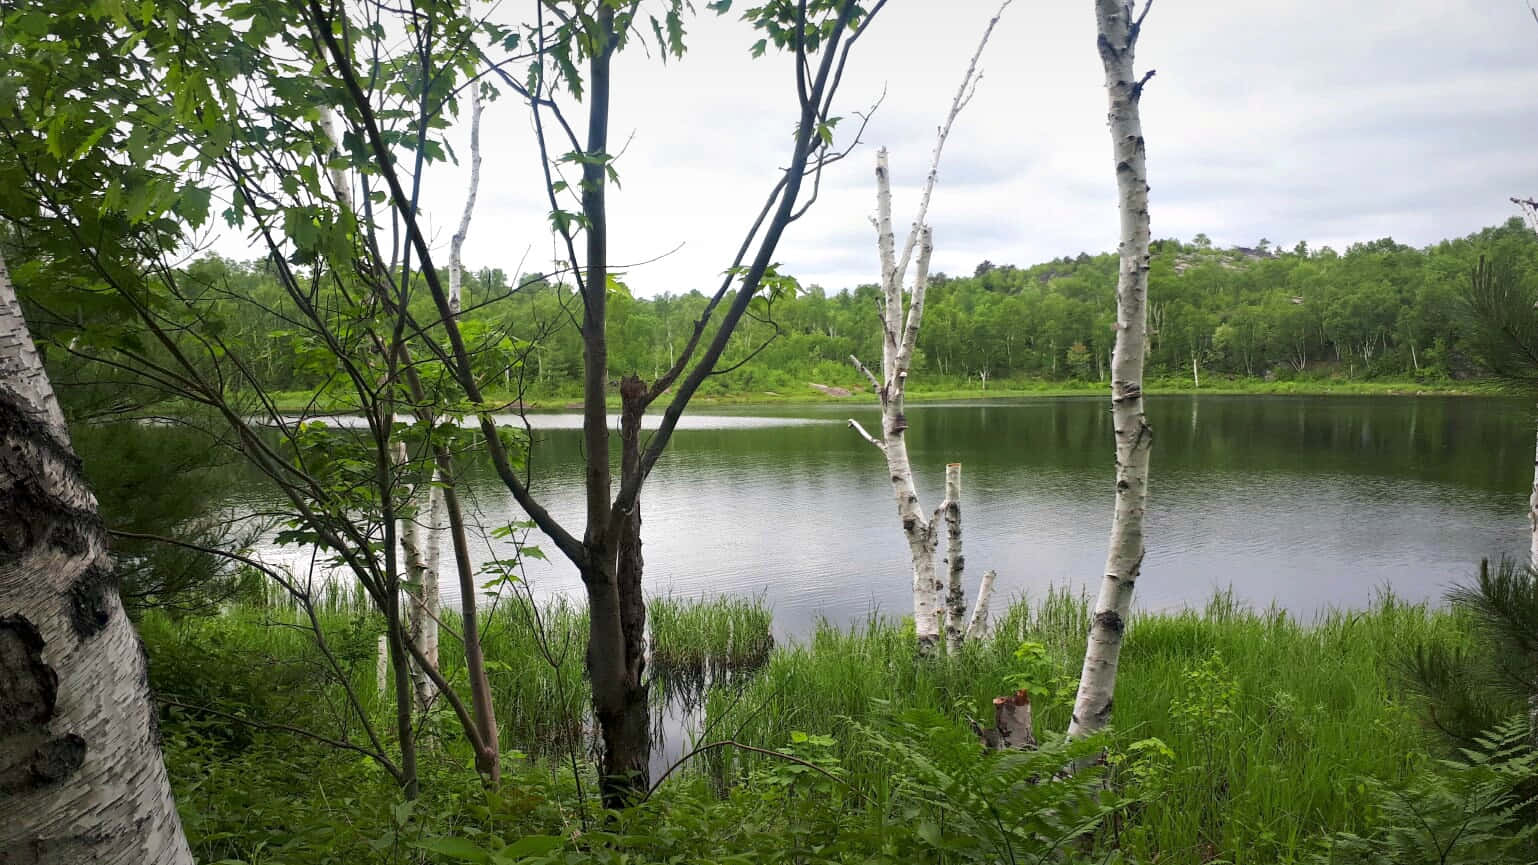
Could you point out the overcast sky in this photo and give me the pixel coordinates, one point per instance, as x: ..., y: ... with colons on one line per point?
x: 1320, y: 120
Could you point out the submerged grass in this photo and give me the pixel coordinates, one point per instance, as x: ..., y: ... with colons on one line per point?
x: 709, y: 637
x: 1265, y: 724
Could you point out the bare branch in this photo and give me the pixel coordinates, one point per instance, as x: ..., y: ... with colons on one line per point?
x: 916, y: 302
x: 869, y: 376
x: 855, y: 425
x: 962, y: 97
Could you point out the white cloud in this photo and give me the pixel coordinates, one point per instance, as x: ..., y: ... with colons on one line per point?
x: 1314, y: 119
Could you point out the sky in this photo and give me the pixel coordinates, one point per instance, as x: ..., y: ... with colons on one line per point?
x: 1319, y: 120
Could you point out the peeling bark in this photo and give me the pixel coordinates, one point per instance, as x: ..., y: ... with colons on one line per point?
x: 1118, y: 31
x: 81, y: 775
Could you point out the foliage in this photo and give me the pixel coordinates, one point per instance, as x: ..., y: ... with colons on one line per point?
x: 1468, y: 686
x: 1304, y: 320
x: 1505, y: 321
x: 975, y: 805
x: 1257, y: 771
x: 1464, y: 810
x: 710, y: 636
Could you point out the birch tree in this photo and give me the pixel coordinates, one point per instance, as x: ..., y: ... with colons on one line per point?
x: 422, y: 562
x: 1117, y: 40
x: 900, y: 325
x: 81, y: 775
x: 1530, y: 210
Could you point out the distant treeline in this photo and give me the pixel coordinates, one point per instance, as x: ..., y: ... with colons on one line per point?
x: 1378, y: 309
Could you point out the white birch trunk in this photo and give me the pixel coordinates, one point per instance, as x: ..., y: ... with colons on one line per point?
x: 382, y: 666
x: 339, y: 184
x: 1532, y: 514
x: 457, y: 242
x: 1134, y: 439
x: 81, y: 774
x: 977, y: 624
x: 421, y: 589
x: 955, y: 595
x: 899, y: 336
x: 422, y: 562
x: 1532, y: 517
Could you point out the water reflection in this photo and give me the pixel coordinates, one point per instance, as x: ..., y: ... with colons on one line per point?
x: 1303, y: 501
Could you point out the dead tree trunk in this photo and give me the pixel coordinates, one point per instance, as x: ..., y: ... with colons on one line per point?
x: 1134, y: 438
x: 977, y: 623
x: 1011, y: 724
x: 81, y: 775
x: 955, y: 595
x: 899, y: 336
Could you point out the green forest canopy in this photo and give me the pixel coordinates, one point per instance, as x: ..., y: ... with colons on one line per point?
x: 1380, y: 309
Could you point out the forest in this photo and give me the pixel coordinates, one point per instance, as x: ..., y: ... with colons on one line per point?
x: 278, y: 535
x: 1379, y: 311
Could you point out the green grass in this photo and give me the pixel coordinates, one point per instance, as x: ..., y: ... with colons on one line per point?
x: 919, y: 391
x: 709, y: 637
x: 1272, y: 721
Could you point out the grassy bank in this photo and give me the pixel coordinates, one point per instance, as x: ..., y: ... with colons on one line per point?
x: 295, y: 401
x: 1241, y: 736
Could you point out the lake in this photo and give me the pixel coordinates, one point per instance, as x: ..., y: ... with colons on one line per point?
x: 1305, y: 502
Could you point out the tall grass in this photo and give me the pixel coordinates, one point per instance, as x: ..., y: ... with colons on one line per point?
x: 709, y: 637
x: 262, y: 657
x: 1271, y: 720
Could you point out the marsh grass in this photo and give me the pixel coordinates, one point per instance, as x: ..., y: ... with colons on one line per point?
x: 261, y: 657
x: 710, y: 637
x: 1270, y: 723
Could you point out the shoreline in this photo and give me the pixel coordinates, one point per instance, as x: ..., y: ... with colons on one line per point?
x: 293, y: 402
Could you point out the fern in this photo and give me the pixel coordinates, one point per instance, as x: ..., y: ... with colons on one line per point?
x: 1465, y: 810
x: 974, y: 805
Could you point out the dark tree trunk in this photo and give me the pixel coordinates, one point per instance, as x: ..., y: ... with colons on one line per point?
x: 616, y: 610
x: 627, y: 727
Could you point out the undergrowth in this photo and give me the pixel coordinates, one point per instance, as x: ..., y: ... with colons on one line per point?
x: 1240, y: 736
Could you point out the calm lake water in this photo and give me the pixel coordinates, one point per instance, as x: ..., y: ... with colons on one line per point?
x: 1304, y: 502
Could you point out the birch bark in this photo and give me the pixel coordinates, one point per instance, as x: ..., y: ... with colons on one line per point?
x: 977, y: 624
x: 423, y: 561
x: 1118, y: 33
x: 81, y: 775
x: 421, y: 588
x: 1532, y: 513
x: 899, y: 336
x: 955, y: 595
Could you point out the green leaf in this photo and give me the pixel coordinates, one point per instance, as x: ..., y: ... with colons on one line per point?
x: 458, y: 848
x: 532, y: 845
